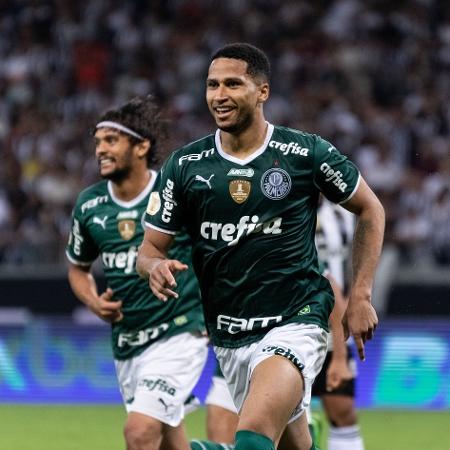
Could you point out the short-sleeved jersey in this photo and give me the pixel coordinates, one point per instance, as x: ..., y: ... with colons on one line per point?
x: 105, y: 226
x: 253, y: 222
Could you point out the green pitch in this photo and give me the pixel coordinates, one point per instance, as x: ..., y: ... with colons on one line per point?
x: 25, y: 427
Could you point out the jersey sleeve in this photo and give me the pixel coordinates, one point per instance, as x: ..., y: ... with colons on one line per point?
x: 164, y: 207
x: 334, y: 174
x: 81, y: 248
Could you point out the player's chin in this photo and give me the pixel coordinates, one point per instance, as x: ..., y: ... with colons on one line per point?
x: 228, y: 126
x: 108, y: 174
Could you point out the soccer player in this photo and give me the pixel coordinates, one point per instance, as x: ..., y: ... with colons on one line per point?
x: 248, y: 197
x: 221, y: 414
x: 335, y: 384
x: 158, y: 348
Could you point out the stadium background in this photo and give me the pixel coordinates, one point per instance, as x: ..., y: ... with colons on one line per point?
x: 373, y: 77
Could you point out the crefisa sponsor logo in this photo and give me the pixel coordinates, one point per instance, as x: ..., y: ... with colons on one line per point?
x: 286, y: 353
x: 169, y: 202
x: 159, y: 384
x: 292, y: 148
x: 232, y: 233
x: 333, y: 176
x: 276, y: 183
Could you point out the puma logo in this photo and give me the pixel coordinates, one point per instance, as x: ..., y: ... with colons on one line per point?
x: 203, y: 180
x: 101, y: 222
x: 166, y: 406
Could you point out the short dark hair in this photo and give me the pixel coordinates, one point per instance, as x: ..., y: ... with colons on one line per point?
x: 143, y: 116
x: 258, y: 65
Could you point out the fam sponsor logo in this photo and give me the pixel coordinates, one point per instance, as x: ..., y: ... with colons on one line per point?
x: 333, y: 176
x: 196, y: 156
x: 285, y: 352
x: 235, y: 325
x: 158, y: 384
x: 292, y: 148
x: 169, y: 202
x: 121, y: 260
x: 231, y: 233
x: 276, y: 183
x: 93, y: 202
x: 241, y: 172
x: 141, y: 337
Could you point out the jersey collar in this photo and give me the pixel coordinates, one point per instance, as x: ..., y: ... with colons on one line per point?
x: 255, y: 154
x: 136, y: 200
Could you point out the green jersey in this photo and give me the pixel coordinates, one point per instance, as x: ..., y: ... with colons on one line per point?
x: 105, y: 226
x: 253, y: 223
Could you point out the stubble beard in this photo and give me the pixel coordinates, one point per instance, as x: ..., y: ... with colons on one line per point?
x: 239, y: 126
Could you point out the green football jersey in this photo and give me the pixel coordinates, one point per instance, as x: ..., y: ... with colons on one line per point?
x: 105, y: 226
x: 253, y: 222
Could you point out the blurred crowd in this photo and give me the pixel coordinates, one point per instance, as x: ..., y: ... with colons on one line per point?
x: 371, y: 76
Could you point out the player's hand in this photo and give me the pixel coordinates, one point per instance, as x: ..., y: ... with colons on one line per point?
x: 360, y: 321
x: 108, y: 310
x: 338, y: 373
x: 162, y: 278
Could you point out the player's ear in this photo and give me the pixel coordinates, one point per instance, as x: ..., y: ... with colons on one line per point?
x: 264, y: 91
x: 143, y: 148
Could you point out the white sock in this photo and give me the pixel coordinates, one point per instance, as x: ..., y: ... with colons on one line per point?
x: 345, y: 438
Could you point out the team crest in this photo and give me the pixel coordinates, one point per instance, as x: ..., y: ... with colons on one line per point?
x: 276, y: 183
x: 239, y: 190
x: 127, y: 229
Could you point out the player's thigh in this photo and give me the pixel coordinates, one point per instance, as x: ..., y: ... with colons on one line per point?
x: 339, y: 409
x: 296, y: 435
x: 221, y: 424
x: 276, y: 388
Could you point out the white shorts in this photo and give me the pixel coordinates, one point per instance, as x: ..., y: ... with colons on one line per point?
x: 158, y: 381
x: 219, y: 395
x: 303, y: 344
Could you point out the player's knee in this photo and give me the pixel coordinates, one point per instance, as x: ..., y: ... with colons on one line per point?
x: 344, y: 418
x: 142, y: 434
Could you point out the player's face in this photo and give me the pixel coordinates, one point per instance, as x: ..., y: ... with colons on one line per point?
x: 114, y: 154
x: 233, y: 96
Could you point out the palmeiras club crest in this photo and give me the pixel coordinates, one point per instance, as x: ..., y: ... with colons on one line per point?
x: 276, y: 183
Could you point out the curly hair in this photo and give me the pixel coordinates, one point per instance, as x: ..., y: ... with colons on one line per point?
x: 142, y: 115
x: 258, y: 65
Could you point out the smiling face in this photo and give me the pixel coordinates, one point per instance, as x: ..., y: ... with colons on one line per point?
x: 233, y: 96
x: 115, y: 154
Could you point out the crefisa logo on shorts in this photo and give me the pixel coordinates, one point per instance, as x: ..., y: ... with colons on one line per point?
x: 276, y: 183
x: 159, y: 384
x: 285, y: 352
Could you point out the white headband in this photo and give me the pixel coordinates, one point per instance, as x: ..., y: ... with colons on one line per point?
x: 118, y: 126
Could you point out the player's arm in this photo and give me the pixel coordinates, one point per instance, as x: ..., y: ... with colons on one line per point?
x: 153, y: 264
x: 338, y: 371
x: 360, y: 318
x: 85, y: 289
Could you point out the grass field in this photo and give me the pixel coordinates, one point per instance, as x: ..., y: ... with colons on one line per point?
x: 24, y: 427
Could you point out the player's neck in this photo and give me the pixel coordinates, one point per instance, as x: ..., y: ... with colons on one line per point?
x: 130, y: 187
x: 242, y: 145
